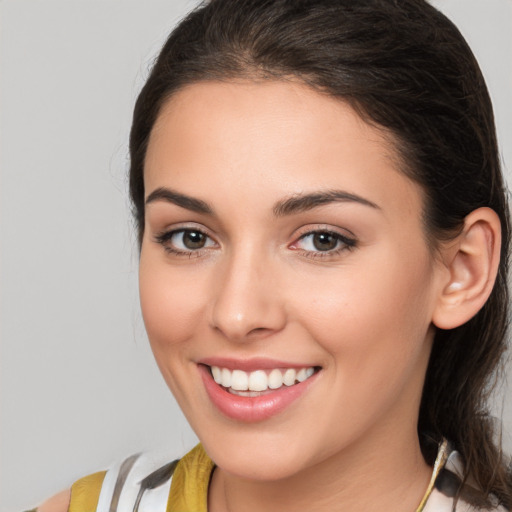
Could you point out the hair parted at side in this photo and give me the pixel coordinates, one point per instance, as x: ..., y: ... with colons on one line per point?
x: 406, y: 68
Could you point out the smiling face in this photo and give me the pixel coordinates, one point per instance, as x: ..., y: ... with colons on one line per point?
x: 284, y: 251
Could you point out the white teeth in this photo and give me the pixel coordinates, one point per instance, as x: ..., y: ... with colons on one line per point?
x: 244, y: 393
x: 217, y: 374
x: 239, y: 380
x: 260, y: 380
x: 226, y: 377
x: 301, y: 375
x: 289, y: 377
x: 275, y: 379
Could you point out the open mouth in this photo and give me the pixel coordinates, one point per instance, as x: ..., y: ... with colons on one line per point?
x: 259, y: 382
x: 257, y: 392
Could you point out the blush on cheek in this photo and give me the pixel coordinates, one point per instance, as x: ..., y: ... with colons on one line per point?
x: 350, y: 317
x: 169, y: 310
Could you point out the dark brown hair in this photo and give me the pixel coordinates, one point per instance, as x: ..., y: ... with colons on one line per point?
x: 406, y: 68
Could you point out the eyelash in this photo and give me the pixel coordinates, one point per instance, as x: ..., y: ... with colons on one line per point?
x: 345, y: 243
x: 165, y: 238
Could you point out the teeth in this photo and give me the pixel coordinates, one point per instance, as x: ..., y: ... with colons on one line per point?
x: 305, y: 373
x: 217, y: 374
x: 301, y: 375
x: 275, y: 379
x: 289, y: 377
x: 226, y: 378
x: 239, y: 380
x: 260, y: 380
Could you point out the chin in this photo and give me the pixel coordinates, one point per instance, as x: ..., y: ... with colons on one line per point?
x: 262, y: 457
x: 264, y: 469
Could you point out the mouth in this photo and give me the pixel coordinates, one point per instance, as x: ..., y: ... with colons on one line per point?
x: 255, y: 383
x: 252, y: 395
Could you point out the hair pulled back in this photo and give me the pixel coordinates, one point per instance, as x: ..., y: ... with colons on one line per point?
x: 406, y: 68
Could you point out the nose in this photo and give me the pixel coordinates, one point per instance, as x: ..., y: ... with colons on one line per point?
x: 247, y: 302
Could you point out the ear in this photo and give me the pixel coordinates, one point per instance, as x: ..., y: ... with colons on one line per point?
x: 472, y: 263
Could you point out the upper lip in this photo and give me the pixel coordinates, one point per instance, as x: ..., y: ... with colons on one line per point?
x: 252, y: 364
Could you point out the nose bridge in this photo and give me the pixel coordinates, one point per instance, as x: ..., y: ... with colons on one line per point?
x: 246, y: 300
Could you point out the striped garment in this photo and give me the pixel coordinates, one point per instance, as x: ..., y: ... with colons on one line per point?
x: 150, y: 483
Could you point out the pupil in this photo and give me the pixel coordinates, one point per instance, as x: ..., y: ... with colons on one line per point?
x: 324, y: 241
x: 193, y: 239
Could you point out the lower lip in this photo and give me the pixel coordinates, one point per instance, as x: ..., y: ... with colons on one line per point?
x: 256, y: 408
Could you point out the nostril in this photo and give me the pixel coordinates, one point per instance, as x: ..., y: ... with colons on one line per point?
x: 258, y: 330
x: 250, y: 316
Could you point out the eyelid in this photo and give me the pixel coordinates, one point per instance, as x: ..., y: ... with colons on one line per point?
x: 183, y: 226
x: 347, y: 238
x: 164, y: 236
x: 324, y: 228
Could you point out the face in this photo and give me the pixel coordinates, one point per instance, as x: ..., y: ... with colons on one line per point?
x: 286, y: 285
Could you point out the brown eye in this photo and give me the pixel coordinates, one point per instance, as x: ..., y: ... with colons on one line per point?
x: 324, y: 241
x: 185, y: 241
x: 193, y: 239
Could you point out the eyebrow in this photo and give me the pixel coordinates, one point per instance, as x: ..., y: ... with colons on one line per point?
x: 187, y: 202
x: 304, y: 202
x: 296, y: 204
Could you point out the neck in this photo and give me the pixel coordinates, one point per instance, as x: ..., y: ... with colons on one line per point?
x: 388, y: 476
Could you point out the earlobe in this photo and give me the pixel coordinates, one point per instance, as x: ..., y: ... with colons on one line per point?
x: 472, y: 264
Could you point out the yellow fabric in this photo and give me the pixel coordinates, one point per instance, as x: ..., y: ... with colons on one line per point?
x: 85, y: 493
x: 189, y: 486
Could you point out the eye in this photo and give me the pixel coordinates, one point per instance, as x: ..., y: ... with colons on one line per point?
x: 322, y: 241
x: 325, y: 241
x: 184, y: 241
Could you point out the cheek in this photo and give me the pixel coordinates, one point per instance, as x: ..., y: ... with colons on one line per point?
x: 377, y: 311
x: 172, y: 301
x: 373, y: 326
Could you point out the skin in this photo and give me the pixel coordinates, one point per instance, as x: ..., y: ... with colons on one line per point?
x: 259, y: 289
x: 57, y: 503
x: 364, y: 310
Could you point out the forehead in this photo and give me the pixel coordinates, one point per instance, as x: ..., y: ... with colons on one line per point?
x: 272, y: 139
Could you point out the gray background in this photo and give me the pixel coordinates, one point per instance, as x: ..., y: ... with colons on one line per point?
x: 79, y: 387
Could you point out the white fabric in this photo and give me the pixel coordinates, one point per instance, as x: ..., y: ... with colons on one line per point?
x: 438, y: 502
x: 107, y: 488
x: 153, y: 500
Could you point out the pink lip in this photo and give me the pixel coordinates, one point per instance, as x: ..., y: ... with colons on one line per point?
x: 252, y: 409
x: 250, y: 365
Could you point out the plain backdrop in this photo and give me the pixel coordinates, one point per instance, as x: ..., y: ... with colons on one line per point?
x: 79, y: 387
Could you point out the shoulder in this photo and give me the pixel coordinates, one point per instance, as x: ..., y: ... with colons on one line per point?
x: 139, y: 479
x: 143, y: 482
x: 82, y: 496
x: 58, y: 503
x: 153, y: 482
x: 139, y: 482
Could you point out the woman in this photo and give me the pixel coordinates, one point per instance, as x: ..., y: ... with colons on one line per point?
x: 324, y: 235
